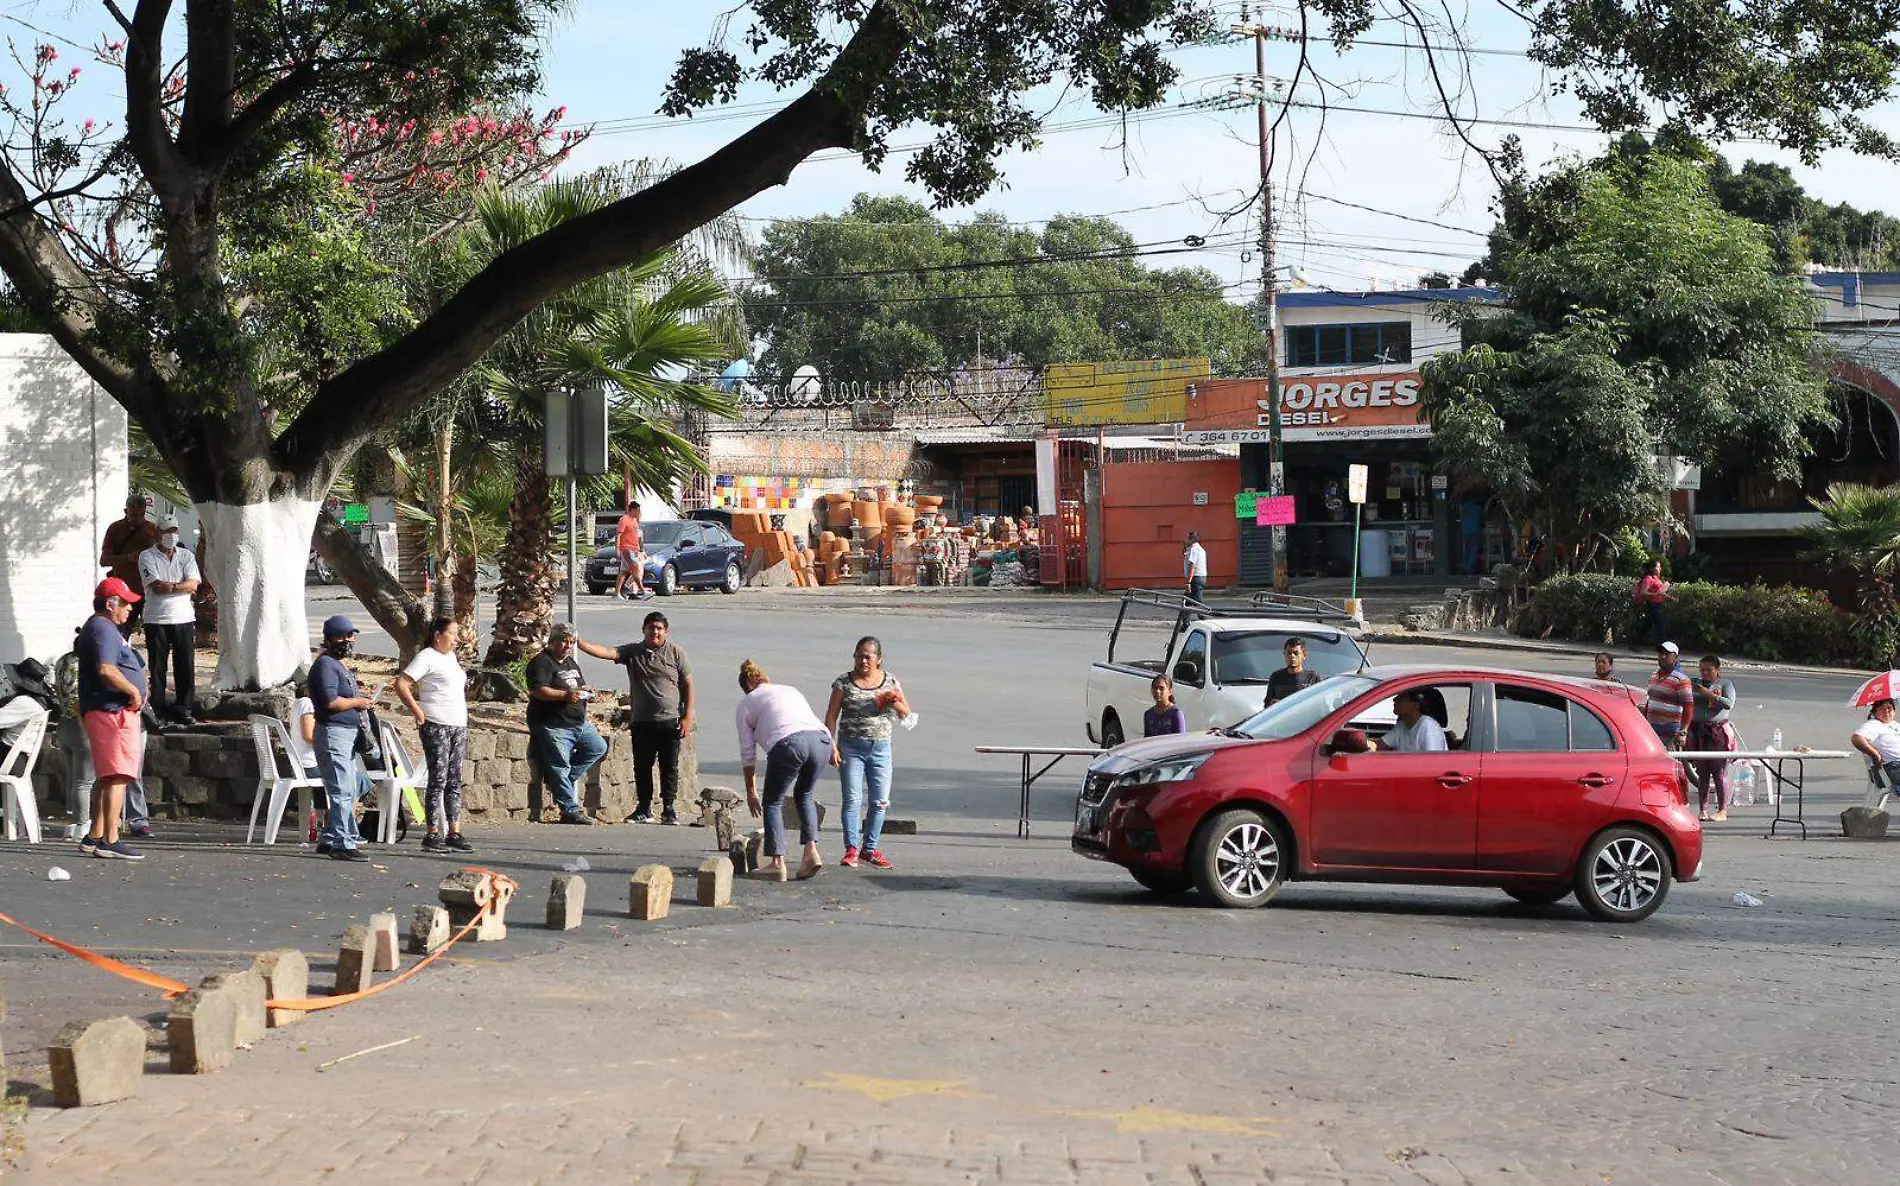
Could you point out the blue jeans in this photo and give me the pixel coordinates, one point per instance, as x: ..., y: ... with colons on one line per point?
x: 342, y: 783
x: 566, y: 753
x: 791, y: 768
x: 862, y: 760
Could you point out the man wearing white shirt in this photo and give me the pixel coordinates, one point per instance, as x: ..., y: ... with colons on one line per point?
x: 1194, y: 566
x: 1415, y: 733
x: 170, y: 576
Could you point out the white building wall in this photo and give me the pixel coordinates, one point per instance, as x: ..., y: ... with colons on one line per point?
x: 62, y: 483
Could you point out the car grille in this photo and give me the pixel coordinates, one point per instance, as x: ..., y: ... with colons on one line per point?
x: 1095, y: 788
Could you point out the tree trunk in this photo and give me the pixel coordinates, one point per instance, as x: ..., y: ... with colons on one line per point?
x: 524, y: 604
x: 470, y: 648
x: 205, y: 600
x: 400, y: 613
x: 257, y: 564
x: 445, y: 573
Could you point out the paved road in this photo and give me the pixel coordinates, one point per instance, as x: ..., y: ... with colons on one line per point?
x: 999, y: 1010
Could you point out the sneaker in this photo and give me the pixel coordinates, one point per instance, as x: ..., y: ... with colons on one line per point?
x: 87, y: 844
x: 670, y: 819
x: 850, y: 858
x: 142, y: 832
x: 325, y: 849
x: 641, y: 816
x: 576, y: 818
x: 434, y: 843
x: 1719, y: 817
x: 459, y: 843
x: 874, y: 857
x: 118, y: 851
x: 348, y: 854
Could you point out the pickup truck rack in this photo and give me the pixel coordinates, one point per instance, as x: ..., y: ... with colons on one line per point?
x: 1277, y: 605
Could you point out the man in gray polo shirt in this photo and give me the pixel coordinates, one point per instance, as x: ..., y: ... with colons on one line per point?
x: 660, y: 702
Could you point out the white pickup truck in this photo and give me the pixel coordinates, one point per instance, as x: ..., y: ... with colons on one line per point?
x: 1220, y: 659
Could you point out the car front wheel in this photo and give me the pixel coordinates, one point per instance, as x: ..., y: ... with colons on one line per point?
x: 597, y: 590
x: 1238, y: 859
x: 669, y: 581
x: 733, y: 580
x: 1623, y: 876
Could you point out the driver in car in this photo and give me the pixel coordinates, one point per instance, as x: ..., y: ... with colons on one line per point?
x: 1416, y: 733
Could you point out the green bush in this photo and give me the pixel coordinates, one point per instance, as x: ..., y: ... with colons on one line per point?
x: 1776, y: 622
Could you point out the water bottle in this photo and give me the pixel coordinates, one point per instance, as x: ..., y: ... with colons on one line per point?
x: 1774, y: 741
x: 1742, y: 786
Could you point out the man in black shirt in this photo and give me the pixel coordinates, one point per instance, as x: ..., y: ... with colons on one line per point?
x: 564, y: 741
x: 1293, y: 676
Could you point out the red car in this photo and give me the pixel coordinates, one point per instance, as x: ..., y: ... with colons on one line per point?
x: 1544, y: 786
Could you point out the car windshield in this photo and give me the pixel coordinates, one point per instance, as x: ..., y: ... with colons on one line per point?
x: 1305, y: 708
x: 1252, y: 657
x: 660, y: 535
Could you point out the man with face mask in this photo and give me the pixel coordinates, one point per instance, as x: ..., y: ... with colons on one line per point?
x: 339, y: 702
x: 170, y: 576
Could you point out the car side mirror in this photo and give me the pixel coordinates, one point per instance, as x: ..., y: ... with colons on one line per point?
x: 1345, y: 743
x: 1187, y: 671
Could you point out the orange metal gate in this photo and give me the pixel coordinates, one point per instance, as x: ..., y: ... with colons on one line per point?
x: 1148, y: 507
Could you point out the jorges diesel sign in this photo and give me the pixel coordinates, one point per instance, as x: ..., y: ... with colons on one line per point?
x: 1312, y: 408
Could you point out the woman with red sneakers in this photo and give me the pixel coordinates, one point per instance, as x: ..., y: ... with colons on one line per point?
x: 866, y: 703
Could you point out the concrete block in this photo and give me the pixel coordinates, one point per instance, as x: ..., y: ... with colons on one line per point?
x: 97, y: 1062
x: 650, y: 893
x: 740, y: 856
x: 715, y: 881
x: 567, y: 901
x: 496, y: 772
x: 201, y: 1031
x: 494, y: 922
x: 481, y: 745
x: 382, y: 941
x: 466, y: 889
x: 355, y: 962
x: 1861, y: 823
x: 755, y: 849
x: 247, y: 992
x: 899, y: 827
x: 286, y: 976
x: 428, y: 929
x: 513, y: 746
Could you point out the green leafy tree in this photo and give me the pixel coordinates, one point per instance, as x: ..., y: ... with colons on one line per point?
x: 1859, y: 533
x: 1640, y: 321
x: 887, y: 289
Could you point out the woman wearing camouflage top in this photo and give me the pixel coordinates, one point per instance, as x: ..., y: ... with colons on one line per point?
x: 865, y: 703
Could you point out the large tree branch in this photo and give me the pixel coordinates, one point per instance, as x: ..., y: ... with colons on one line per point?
x: 382, y: 389
x: 151, y: 142
x: 210, y: 76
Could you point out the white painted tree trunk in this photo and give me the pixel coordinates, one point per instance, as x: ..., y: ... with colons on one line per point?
x: 260, y: 554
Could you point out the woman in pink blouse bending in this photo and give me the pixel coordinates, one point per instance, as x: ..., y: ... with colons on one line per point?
x: 778, y: 720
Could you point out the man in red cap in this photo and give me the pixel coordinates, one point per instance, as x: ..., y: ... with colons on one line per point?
x: 111, y: 693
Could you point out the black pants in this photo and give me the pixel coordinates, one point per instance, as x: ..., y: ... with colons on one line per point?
x: 656, y: 740
x: 178, y: 643
x: 1196, y: 587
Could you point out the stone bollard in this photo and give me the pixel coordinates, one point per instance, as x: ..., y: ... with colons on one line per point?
x: 1861, y: 823
x: 382, y: 942
x: 248, y: 994
x: 755, y: 849
x: 465, y: 893
x: 354, y: 962
x: 201, y: 1029
x: 286, y: 976
x: 715, y: 881
x: 741, y: 856
x: 650, y: 893
x: 899, y: 827
x: 567, y: 901
x: 97, y: 1062
x: 428, y: 930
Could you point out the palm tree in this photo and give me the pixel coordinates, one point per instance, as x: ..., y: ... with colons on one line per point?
x: 641, y: 331
x: 1859, y: 532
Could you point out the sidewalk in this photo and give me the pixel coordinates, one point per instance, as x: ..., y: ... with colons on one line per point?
x: 1501, y: 640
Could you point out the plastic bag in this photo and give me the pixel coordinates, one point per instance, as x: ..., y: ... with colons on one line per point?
x: 1743, y: 898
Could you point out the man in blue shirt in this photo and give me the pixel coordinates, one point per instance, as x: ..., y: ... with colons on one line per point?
x: 339, y: 704
x: 111, y: 693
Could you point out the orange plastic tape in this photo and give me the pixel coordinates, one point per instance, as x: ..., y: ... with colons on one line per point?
x: 172, y: 988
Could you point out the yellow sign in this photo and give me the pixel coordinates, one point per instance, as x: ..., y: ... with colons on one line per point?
x: 1141, y: 391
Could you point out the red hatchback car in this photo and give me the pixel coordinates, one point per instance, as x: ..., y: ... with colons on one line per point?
x: 1544, y: 786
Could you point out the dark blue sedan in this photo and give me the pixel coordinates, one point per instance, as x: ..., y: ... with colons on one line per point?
x: 679, y: 555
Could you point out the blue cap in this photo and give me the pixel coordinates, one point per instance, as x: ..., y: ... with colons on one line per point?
x: 338, y: 626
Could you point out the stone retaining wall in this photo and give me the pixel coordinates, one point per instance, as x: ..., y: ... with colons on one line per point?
x: 211, y: 772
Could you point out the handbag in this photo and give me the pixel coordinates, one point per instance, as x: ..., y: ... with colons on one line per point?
x: 369, y: 743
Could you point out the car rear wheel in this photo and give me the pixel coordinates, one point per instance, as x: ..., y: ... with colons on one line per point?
x: 733, y: 580
x: 669, y: 581
x: 1238, y: 858
x: 1538, y: 895
x: 1163, y: 881
x: 596, y: 590
x: 1111, y: 730
x: 1623, y: 876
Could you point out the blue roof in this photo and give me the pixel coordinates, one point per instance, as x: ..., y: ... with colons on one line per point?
x: 1390, y: 296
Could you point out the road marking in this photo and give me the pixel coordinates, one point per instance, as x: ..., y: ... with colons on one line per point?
x: 886, y: 1090
x: 1149, y: 1120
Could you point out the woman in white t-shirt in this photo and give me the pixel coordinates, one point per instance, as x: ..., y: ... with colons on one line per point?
x: 1879, y: 738
x: 433, y: 688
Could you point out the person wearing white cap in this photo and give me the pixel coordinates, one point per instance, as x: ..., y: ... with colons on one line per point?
x: 170, y: 576
x: 1671, y: 701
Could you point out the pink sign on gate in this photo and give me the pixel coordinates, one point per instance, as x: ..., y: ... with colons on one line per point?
x: 1274, y: 512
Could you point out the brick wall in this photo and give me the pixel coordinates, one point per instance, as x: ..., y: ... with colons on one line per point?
x: 62, y: 483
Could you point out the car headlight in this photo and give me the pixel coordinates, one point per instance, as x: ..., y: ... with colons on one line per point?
x: 1172, y: 770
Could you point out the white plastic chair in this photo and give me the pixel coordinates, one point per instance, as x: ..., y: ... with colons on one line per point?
x: 20, y: 807
x: 399, y: 774
x: 269, y: 735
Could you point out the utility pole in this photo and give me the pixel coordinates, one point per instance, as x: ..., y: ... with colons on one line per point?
x: 1269, y: 291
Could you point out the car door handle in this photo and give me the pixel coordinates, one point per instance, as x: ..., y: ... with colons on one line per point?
x: 1596, y: 780
x: 1451, y: 780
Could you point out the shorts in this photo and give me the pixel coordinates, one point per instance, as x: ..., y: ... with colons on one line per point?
x: 629, y: 561
x: 116, y: 740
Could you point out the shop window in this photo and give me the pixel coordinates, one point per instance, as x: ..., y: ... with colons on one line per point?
x: 1368, y: 344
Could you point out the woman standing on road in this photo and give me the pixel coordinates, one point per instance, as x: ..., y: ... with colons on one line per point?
x: 865, y: 703
x: 780, y: 721
x: 433, y: 689
x: 1650, y: 593
x: 1710, y: 731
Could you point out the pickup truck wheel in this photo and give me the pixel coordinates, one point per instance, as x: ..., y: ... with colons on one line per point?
x: 1163, y: 881
x: 1238, y: 859
x: 1111, y: 730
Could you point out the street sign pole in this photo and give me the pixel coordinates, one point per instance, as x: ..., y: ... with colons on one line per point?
x: 573, y: 443
x: 1356, y: 477
x: 573, y: 548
